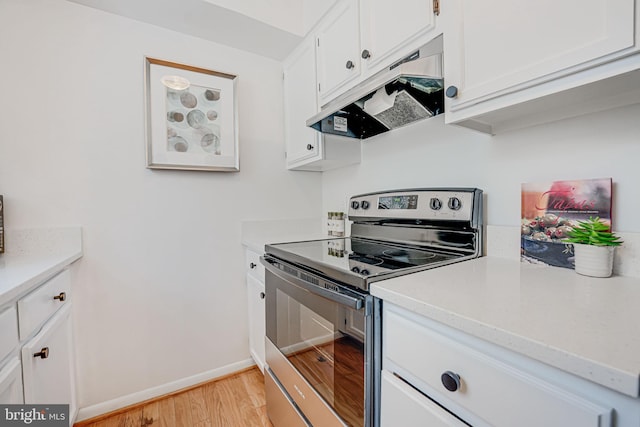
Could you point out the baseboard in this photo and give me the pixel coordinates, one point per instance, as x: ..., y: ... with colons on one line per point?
x: 154, y: 392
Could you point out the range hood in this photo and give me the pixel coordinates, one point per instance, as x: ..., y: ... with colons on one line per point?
x: 408, y: 91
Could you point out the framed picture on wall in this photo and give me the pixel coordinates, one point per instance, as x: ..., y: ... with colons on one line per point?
x: 191, y: 118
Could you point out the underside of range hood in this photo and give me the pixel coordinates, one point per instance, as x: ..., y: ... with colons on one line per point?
x: 406, y: 92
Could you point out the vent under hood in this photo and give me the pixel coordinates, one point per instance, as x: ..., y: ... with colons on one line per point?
x: 406, y: 92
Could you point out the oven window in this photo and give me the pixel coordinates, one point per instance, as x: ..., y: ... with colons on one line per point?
x: 323, y: 340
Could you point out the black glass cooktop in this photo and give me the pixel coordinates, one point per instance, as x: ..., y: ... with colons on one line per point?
x: 358, y: 261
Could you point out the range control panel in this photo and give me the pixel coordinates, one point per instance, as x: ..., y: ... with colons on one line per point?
x: 455, y: 204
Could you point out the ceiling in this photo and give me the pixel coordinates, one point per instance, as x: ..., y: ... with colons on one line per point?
x: 203, y: 19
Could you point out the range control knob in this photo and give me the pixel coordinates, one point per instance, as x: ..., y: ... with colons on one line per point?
x: 435, y: 203
x: 365, y: 204
x: 454, y: 203
x: 355, y: 204
x: 355, y: 270
x: 365, y: 272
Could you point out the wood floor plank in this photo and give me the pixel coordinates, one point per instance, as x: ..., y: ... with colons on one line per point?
x: 234, y: 401
x: 182, y: 407
x: 199, y: 411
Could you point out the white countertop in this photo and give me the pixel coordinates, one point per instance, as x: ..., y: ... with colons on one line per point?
x: 582, y: 325
x: 35, y: 255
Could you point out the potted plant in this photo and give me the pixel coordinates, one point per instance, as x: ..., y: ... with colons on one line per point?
x: 593, y: 245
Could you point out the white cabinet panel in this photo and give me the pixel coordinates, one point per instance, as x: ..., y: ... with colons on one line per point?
x: 338, y: 39
x: 484, y: 383
x: 8, y: 331
x: 47, y: 363
x: 403, y: 406
x: 501, y: 53
x: 255, y: 291
x: 36, y: 307
x: 387, y: 26
x: 254, y: 266
x: 308, y: 149
x: 11, y: 383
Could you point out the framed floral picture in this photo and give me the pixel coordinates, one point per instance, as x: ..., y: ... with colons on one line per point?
x: 191, y: 118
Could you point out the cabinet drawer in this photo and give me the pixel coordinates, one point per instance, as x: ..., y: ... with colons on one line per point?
x: 403, y: 406
x: 47, y: 363
x: 11, y: 383
x: 8, y: 331
x: 35, y: 308
x: 254, y: 266
x: 490, y: 392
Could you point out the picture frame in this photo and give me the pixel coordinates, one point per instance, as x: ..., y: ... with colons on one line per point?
x: 191, y: 118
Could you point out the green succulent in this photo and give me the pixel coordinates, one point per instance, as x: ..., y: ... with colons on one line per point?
x: 593, y: 232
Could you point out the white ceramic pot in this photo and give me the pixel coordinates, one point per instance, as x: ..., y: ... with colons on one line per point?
x: 594, y: 261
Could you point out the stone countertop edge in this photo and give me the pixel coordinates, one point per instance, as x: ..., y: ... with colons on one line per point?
x: 581, y: 325
x: 22, y: 272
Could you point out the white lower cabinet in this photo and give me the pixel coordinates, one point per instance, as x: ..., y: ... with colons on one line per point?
x: 256, y: 305
x: 37, y: 341
x: 47, y: 363
x: 404, y: 406
x: 255, y: 291
x: 483, y: 384
x: 11, y: 383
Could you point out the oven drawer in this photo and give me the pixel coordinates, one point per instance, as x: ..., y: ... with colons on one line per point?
x: 490, y: 391
x: 403, y: 406
x: 280, y: 409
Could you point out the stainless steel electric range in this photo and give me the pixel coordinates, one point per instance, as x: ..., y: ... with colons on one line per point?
x: 322, y: 325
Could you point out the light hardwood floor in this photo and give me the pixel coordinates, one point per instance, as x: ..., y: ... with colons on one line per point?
x: 236, y: 400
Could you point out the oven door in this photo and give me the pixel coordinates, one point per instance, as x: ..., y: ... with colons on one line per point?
x: 320, y: 346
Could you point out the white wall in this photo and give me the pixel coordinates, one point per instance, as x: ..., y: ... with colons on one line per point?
x: 160, y: 293
x: 429, y: 154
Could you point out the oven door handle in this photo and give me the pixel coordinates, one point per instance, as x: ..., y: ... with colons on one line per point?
x: 340, y: 298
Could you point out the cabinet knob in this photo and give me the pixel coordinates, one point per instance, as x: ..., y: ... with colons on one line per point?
x: 43, y: 354
x: 309, y: 147
x: 262, y: 295
x: 366, y: 54
x: 253, y: 265
x: 450, y: 381
x: 61, y: 297
x: 350, y: 65
x: 451, y: 92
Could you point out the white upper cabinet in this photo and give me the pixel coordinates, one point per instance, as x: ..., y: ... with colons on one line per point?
x: 308, y: 149
x: 501, y: 53
x: 390, y: 29
x: 338, y: 41
x: 357, y: 39
x: 300, y: 103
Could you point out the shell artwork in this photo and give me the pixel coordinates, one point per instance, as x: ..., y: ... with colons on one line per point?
x: 191, y: 114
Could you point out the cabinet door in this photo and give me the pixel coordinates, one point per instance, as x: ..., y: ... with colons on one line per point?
x: 497, y: 47
x: 338, y: 40
x: 11, y: 383
x: 401, y: 405
x: 300, y: 103
x: 47, y: 363
x: 255, y: 292
x: 387, y: 26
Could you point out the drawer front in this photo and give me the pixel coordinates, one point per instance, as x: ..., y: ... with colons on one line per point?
x: 403, y: 406
x: 496, y: 393
x: 35, y: 308
x: 8, y: 331
x: 254, y: 266
x: 11, y: 383
x: 47, y: 364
